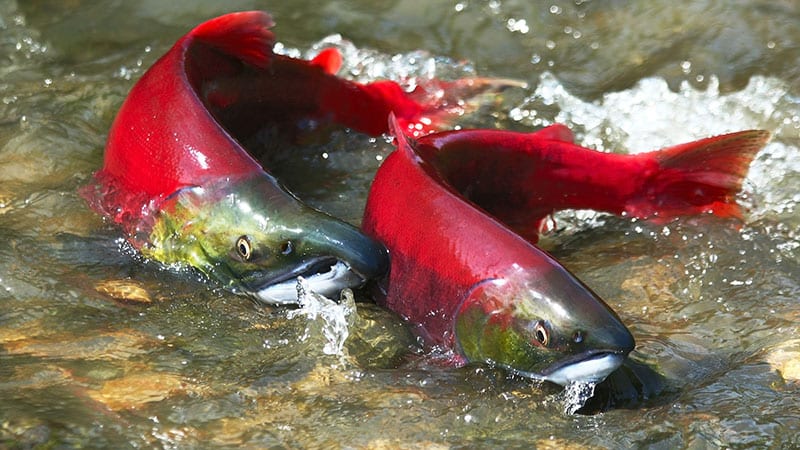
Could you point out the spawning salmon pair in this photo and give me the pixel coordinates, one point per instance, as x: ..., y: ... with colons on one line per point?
x: 451, y: 220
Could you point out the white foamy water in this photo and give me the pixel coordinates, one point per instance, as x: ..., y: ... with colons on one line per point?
x: 332, y: 319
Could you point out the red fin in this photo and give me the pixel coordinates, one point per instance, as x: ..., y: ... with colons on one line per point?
x: 244, y: 35
x: 700, y: 176
x: 329, y: 59
x: 556, y: 132
x: 402, y: 141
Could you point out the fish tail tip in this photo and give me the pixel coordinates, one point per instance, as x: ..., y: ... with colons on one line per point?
x: 701, y: 176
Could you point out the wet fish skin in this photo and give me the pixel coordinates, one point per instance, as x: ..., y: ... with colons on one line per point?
x: 466, y: 208
x: 521, y: 178
x: 173, y: 159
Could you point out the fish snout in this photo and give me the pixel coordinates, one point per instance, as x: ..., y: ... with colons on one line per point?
x: 330, y: 255
x: 365, y: 256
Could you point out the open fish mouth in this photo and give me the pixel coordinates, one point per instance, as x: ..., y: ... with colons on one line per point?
x: 326, y: 276
x: 588, y: 367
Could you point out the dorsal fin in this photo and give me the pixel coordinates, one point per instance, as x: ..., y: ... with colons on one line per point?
x: 330, y: 59
x: 555, y: 132
x: 243, y: 35
x: 402, y: 141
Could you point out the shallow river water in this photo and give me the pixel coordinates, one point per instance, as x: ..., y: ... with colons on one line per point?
x: 99, y: 348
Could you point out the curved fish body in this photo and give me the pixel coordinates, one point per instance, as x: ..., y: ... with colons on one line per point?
x: 180, y: 184
x: 473, y: 285
x: 521, y: 178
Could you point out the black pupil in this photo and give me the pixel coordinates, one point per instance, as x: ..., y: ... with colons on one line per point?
x: 540, y: 336
x: 244, y: 248
x: 286, y: 248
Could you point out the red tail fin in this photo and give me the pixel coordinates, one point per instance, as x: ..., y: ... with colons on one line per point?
x: 244, y: 35
x: 698, y: 177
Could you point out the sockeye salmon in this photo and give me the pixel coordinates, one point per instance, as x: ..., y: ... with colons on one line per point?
x: 459, y: 212
x: 177, y: 180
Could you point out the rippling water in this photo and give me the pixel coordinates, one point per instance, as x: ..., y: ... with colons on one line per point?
x: 100, y: 348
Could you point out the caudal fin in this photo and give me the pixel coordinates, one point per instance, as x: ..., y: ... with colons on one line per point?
x: 243, y: 35
x: 699, y: 177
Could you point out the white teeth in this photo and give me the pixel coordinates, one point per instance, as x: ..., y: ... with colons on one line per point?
x: 329, y: 284
x: 591, y: 370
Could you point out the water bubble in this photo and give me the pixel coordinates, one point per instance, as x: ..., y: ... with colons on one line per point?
x: 517, y: 25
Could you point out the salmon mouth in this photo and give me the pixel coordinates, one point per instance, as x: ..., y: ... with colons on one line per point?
x: 592, y: 366
x: 327, y: 276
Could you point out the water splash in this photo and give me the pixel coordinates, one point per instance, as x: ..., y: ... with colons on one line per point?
x: 365, y: 65
x: 576, y: 394
x: 332, y: 319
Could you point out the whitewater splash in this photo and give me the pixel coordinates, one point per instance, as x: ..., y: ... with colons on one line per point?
x: 575, y: 396
x: 332, y: 319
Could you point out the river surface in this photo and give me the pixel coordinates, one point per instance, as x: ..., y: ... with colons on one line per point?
x: 99, y: 348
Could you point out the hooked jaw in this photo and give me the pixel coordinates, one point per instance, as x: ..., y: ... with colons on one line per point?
x: 546, y: 326
x: 340, y: 257
x: 588, y: 367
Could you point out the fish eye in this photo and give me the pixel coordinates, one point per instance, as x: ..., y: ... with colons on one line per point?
x: 578, y: 336
x: 287, y: 248
x: 541, y: 334
x: 243, y: 248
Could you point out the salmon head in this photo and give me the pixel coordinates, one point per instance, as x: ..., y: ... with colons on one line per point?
x: 255, y: 238
x: 542, y: 324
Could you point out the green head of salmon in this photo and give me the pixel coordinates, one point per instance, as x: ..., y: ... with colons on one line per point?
x: 255, y: 238
x: 542, y: 327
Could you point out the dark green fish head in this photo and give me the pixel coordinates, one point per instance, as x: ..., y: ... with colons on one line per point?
x: 254, y: 237
x: 543, y: 324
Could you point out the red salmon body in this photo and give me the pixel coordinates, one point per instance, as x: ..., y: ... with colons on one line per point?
x: 461, y: 209
x: 521, y: 178
x: 183, y: 122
